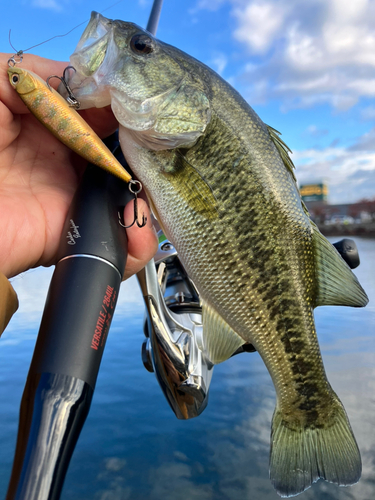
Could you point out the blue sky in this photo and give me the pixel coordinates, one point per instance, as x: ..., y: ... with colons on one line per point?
x: 306, y: 66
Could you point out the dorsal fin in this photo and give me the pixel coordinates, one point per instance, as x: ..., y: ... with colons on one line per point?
x: 283, y: 149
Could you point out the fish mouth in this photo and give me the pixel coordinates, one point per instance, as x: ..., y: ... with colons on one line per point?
x: 92, y: 60
x: 93, y: 82
x: 106, y: 72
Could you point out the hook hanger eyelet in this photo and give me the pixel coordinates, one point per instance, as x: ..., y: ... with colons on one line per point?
x: 135, y: 190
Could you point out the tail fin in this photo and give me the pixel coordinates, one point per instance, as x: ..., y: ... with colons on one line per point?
x: 299, y: 457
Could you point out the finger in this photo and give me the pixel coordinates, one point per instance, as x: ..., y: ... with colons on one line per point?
x: 142, y: 241
x: 102, y: 120
x: 10, y: 126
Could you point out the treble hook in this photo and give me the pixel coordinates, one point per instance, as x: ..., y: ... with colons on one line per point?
x: 71, y: 99
x: 135, y: 191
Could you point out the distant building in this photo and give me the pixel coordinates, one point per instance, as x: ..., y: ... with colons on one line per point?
x: 314, y: 193
x: 315, y: 197
x: 345, y: 213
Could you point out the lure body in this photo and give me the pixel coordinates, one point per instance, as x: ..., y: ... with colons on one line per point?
x: 52, y: 110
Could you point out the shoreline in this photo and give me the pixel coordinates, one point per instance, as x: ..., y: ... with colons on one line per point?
x: 364, y: 230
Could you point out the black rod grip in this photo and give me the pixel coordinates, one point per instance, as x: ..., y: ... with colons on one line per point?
x: 79, y: 309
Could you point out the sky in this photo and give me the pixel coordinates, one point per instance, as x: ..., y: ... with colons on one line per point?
x: 307, y: 67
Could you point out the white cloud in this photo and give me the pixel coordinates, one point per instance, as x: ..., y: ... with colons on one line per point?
x: 368, y: 113
x: 350, y: 172
x: 47, y: 4
x: 259, y: 24
x: 208, y: 5
x: 312, y: 52
x: 219, y: 63
x: 172, y: 478
x: 316, y: 132
x: 144, y: 3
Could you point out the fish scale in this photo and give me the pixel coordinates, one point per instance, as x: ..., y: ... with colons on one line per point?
x: 222, y: 185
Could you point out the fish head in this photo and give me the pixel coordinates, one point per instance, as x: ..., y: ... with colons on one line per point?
x: 151, y: 91
x: 21, y: 80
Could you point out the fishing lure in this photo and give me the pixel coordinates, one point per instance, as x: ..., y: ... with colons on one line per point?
x: 55, y: 113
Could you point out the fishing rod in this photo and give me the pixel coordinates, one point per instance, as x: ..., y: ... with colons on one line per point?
x: 153, y: 20
x: 78, y: 312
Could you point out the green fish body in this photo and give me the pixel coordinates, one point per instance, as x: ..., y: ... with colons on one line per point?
x: 221, y: 184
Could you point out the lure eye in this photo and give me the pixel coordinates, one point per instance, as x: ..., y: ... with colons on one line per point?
x: 15, y: 79
x: 141, y: 44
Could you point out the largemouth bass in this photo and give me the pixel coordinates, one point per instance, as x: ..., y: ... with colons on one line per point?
x: 64, y: 122
x: 222, y: 185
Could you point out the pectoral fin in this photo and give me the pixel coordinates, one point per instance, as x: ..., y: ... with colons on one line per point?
x: 219, y: 339
x: 192, y: 187
x: 336, y: 283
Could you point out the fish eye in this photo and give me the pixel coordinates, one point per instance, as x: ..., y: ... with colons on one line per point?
x: 15, y: 79
x: 142, y: 44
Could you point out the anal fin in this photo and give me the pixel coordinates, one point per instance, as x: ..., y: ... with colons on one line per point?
x: 219, y: 339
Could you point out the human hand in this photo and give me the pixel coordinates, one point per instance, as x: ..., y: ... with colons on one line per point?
x: 38, y: 178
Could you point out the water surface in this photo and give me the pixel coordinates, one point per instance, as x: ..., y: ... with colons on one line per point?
x: 132, y: 445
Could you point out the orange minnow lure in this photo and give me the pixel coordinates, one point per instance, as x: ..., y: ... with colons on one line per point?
x: 52, y: 110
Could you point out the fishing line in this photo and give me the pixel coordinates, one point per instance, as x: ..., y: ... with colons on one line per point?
x: 20, y: 52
